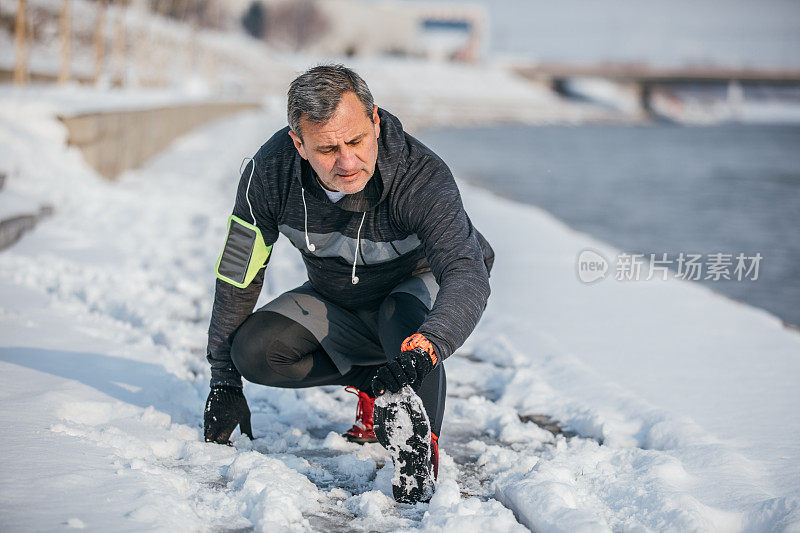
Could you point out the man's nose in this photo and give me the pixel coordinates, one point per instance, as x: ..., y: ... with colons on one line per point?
x: 347, y: 158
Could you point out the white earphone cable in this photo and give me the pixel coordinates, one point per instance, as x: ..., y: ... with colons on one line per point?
x: 249, y: 180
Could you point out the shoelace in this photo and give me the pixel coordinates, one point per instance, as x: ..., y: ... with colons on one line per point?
x: 359, y: 407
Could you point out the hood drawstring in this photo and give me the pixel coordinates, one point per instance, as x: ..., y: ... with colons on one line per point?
x: 311, y: 247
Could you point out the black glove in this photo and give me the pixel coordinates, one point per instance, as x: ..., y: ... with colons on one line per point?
x: 226, y: 408
x: 410, y: 368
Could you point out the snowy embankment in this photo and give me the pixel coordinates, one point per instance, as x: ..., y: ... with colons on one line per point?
x: 682, y: 402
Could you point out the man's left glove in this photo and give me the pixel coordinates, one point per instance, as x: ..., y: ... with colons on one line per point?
x: 226, y: 408
x: 417, y: 358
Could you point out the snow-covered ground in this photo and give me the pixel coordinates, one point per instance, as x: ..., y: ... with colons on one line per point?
x: 680, y: 405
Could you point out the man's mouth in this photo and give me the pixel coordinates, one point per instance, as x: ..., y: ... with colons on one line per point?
x: 348, y: 176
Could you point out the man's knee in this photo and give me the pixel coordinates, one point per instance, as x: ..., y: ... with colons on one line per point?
x: 403, y: 307
x: 399, y: 316
x: 270, y: 348
x: 248, y: 346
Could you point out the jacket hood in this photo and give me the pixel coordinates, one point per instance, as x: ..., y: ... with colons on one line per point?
x: 392, y: 150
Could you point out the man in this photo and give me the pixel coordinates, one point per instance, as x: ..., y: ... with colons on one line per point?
x: 397, y: 274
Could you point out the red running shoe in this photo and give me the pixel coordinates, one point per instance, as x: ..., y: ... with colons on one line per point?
x: 435, y: 454
x: 362, y: 431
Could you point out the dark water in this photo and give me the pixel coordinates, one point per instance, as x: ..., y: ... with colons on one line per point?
x: 656, y: 189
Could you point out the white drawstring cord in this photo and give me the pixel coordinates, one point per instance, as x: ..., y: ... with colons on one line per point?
x: 247, y: 191
x: 353, y: 277
x: 310, y: 246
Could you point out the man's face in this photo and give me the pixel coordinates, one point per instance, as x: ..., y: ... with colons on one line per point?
x: 342, y: 151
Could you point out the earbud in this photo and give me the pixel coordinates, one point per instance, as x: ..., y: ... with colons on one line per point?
x: 354, y: 280
x: 311, y: 247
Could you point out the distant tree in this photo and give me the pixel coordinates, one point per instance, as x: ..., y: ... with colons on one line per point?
x: 254, y: 19
x: 296, y: 23
x: 205, y: 13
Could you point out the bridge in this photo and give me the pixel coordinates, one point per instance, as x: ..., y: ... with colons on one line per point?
x: 641, y: 79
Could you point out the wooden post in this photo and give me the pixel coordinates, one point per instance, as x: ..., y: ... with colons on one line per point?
x: 20, y: 67
x: 99, y: 41
x: 120, y: 46
x: 65, y: 28
x: 183, y: 61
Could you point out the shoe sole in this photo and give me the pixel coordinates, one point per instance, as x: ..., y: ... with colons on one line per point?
x: 359, y: 440
x: 402, y: 427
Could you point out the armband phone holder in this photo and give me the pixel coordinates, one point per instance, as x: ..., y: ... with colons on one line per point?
x: 244, y: 254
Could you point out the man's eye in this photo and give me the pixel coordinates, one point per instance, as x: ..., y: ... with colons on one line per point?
x: 353, y: 143
x: 327, y: 151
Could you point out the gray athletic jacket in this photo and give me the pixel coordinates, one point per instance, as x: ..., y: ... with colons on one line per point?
x: 408, y: 219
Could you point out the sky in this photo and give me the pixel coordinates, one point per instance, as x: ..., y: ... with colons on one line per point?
x: 734, y: 33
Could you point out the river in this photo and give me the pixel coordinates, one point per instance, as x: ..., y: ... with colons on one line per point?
x: 663, y: 188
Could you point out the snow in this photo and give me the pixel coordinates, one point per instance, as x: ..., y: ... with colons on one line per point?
x: 683, y: 403
x: 14, y: 205
x: 731, y: 368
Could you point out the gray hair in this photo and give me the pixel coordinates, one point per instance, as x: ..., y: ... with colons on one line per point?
x: 315, y: 94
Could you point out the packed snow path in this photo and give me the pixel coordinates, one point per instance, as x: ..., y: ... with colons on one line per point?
x: 103, y: 320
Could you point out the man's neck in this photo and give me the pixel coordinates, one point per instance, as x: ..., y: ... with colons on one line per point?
x: 333, y: 195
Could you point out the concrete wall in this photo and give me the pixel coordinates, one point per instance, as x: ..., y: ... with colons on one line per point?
x: 113, y: 142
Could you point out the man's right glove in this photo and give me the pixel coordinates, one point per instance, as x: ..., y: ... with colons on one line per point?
x: 226, y: 408
x: 416, y: 360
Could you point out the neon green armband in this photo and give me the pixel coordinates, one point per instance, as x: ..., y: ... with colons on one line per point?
x: 244, y: 254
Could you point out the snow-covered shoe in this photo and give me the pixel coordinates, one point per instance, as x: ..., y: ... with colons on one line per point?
x: 362, y: 431
x: 402, y: 427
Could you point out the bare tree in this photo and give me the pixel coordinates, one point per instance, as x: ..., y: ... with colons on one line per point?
x: 296, y: 24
